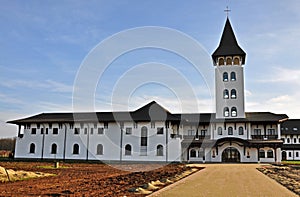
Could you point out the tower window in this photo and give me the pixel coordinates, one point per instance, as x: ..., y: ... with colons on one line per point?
x: 221, y: 61
x: 230, y: 131
x: 225, y: 76
x: 241, y: 131
x: 226, y: 111
x: 236, y: 61
x: 233, y: 112
x: 229, y: 61
x: 232, y: 76
x: 219, y: 130
x: 233, y: 94
x: 225, y: 94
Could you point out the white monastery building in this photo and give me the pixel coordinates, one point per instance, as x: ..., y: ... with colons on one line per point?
x: 152, y: 133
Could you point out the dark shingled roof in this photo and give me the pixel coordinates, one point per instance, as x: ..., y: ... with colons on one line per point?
x: 228, y: 45
x: 254, y: 117
x: 150, y: 112
x: 291, y: 127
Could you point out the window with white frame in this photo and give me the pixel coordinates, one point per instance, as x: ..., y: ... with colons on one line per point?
x: 128, y: 131
x: 233, y: 94
x: 233, y: 112
x: 100, y: 131
x: 226, y: 112
x: 160, y: 131
x: 225, y: 94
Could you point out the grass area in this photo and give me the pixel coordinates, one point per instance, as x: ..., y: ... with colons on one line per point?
x: 52, y: 167
x: 291, y: 162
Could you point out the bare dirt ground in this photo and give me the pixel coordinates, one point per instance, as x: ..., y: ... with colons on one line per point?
x: 84, y: 179
x: 288, y: 176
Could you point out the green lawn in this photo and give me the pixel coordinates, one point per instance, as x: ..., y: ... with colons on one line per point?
x: 291, y: 162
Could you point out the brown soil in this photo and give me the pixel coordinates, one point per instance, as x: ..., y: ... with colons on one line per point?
x: 84, y: 179
x: 288, y: 176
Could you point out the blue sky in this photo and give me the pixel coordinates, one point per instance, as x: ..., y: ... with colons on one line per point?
x: 44, y: 43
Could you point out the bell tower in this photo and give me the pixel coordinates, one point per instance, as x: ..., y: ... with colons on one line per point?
x: 229, y: 60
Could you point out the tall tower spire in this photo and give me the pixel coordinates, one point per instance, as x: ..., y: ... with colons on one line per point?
x: 229, y: 59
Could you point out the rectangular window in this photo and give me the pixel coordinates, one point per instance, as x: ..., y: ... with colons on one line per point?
x: 143, y: 141
x: 27, y: 126
x: 135, y: 125
x: 33, y: 131
x: 100, y: 131
x: 50, y: 126
x: 203, y: 132
x: 71, y: 125
x: 60, y: 126
x: 297, y: 154
x: 55, y: 131
x: 191, y: 132
x: 128, y: 131
x: 95, y: 125
x: 160, y: 131
x: 77, y: 131
x: 46, y: 131
x: 290, y: 154
x: 92, y: 131
x: 85, y: 131
x: 271, y: 132
x: 257, y: 131
x: 105, y: 125
x: 38, y: 126
x: 152, y: 125
x: 42, y: 130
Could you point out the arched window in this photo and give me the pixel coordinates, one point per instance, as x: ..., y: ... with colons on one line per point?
x: 233, y: 94
x: 219, y: 130
x: 288, y: 140
x: 221, y: 61
x: 225, y: 94
x: 236, y: 61
x: 193, y: 153
x: 262, y: 153
x: 241, y: 131
x: 144, y: 135
x: 159, y: 150
x: 226, y: 111
x: 230, y: 131
x: 229, y: 61
x: 233, y: 112
x: 225, y: 76
x: 32, y: 148
x: 295, y: 140
x: 99, y: 149
x: 128, y: 149
x: 53, y: 149
x: 270, y: 154
x: 232, y: 76
x: 75, y: 149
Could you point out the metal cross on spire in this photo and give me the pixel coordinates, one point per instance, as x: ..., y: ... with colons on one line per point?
x: 227, y: 10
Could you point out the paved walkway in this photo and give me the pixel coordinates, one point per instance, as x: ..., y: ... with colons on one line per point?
x: 226, y: 180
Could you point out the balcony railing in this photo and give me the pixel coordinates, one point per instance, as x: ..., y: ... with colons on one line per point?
x: 264, y: 137
x: 194, y: 137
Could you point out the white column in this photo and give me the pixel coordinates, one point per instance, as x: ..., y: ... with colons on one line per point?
x: 279, y: 131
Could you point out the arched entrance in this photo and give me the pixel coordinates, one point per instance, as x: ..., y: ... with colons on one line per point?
x: 231, y: 154
x: 283, y: 156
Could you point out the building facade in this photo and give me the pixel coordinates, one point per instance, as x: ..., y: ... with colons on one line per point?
x: 152, y: 133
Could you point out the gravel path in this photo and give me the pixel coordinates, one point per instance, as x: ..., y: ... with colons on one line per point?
x: 226, y: 180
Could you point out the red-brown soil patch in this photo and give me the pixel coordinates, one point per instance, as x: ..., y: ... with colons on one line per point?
x: 288, y: 176
x: 78, y: 179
